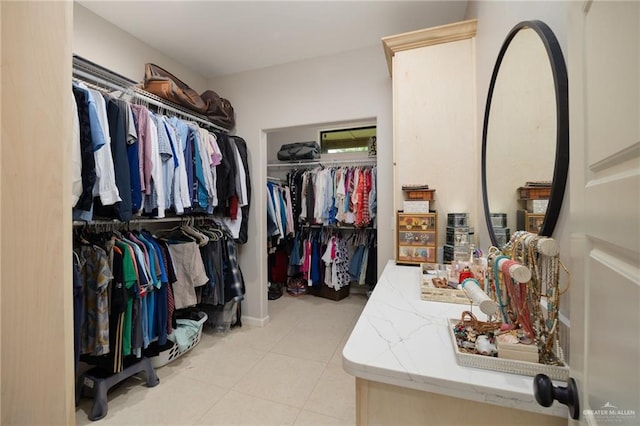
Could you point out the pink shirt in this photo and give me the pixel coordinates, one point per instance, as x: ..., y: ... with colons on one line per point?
x: 144, y: 146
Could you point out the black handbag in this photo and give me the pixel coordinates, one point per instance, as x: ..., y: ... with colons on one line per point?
x: 299, y: 151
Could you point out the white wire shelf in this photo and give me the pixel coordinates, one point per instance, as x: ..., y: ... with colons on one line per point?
x: 328, y: 162
x: 101, y: 78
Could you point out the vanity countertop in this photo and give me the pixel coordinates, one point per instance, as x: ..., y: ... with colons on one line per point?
x: 403, y: 340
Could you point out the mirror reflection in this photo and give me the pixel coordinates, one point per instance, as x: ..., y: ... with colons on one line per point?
x: 521, y: 136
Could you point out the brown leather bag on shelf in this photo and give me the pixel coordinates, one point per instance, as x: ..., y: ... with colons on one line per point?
x: 219, y: 111
x: 162, y: 83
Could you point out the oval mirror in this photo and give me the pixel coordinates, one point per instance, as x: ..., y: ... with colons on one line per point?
x: 525, y: 138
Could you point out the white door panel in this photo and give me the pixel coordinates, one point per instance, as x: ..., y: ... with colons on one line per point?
x: 611, y: 35
x: 613, y: 367
x: 615, y: 221
x: 604, y: 85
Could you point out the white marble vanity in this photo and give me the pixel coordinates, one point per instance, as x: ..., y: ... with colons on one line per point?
x: 406, y: 372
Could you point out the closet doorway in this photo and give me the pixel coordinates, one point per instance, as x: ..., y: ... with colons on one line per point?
x: 332, y: 206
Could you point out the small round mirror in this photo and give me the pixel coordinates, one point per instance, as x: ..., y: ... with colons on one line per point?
x: 525, y: 140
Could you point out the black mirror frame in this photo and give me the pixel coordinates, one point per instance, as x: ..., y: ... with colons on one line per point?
x: 561, y: 167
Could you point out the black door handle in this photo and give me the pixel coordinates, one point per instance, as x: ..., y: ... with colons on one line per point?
x: 545, y: 393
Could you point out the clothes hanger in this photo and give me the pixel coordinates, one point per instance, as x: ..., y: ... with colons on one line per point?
x: 201, y: 239
x: 80, y: 235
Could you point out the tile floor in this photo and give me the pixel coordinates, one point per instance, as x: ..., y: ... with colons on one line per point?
x: 286, y: 373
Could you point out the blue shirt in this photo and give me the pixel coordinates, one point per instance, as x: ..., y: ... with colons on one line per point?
x: 98, y: 138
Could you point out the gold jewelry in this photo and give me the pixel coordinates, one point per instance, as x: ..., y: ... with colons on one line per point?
x: 568, y: 279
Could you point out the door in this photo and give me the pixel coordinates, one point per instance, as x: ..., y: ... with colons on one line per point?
x: 604, y: 74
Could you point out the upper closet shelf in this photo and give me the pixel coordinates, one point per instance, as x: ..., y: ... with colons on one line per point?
x: 366, y: 161
x: 102, y: 78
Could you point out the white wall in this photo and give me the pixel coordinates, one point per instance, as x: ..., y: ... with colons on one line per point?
x: 346, y: 87
x: 495, y: 20
x: 105, y: 44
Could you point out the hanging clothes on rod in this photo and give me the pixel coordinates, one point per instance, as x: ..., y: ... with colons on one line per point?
x: 131, y: 158
x: 322, y: 203
x: 280, y: 222
x: 335, y: 195
x: 133, y: 284
x: 156, y: 164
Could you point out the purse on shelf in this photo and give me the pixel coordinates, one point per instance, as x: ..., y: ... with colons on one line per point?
x: 219, y: 110
x: 299, y: 151
x: 162, y: 83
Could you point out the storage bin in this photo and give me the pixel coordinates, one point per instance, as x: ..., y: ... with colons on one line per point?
x: 498, y: 220
x: 457, y: 219
x: 424, y: 195
x: 174, y: 351
x: 415, y: 206
x: 451, y: 253
x: 503, y: 235
x: 458, y: 236
x: 327, y: 292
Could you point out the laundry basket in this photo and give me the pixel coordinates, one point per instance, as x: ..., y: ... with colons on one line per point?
x: 174, y: 352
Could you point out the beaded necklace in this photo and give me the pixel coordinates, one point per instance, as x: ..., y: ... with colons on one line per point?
x: 496, y: 275
x: 524, y: 300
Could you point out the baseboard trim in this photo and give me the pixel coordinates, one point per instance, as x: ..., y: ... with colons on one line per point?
x: 255, y: 322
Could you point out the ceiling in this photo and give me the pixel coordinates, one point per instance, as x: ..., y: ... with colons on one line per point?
x: 216, y: 38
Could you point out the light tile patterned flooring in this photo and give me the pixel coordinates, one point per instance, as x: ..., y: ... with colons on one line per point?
x: 286, y: 373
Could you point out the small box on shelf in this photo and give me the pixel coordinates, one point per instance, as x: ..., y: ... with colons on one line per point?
x: 415, y: 206
x: 451, y: 253
x: 421, y: 194
x: 534, y: 192
x: 498, y: 220
x: 517, y: 351
x: 537, y: 206
x: 503, y: 235
x: 458, y: 236
x: 457, y: 219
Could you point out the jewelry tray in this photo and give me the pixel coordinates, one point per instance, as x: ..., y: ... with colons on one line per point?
x: 448, y: 295
x: 523, y: 368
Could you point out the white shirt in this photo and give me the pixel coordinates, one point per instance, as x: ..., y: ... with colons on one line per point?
x: 156, y: 198
x: 105, y: 186
x: 205, y: 159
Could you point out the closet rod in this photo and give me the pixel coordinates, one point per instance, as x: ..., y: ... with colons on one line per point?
x: 90, y: 72
x: 339, y: 227
x: 134, y: 221
x: 371, y: 161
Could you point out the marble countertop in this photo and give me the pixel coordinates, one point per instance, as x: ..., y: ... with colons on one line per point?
x: 402, y: 340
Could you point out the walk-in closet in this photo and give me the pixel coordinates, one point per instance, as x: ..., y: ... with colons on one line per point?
x: 322, y: 212
x: 203, y: 280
